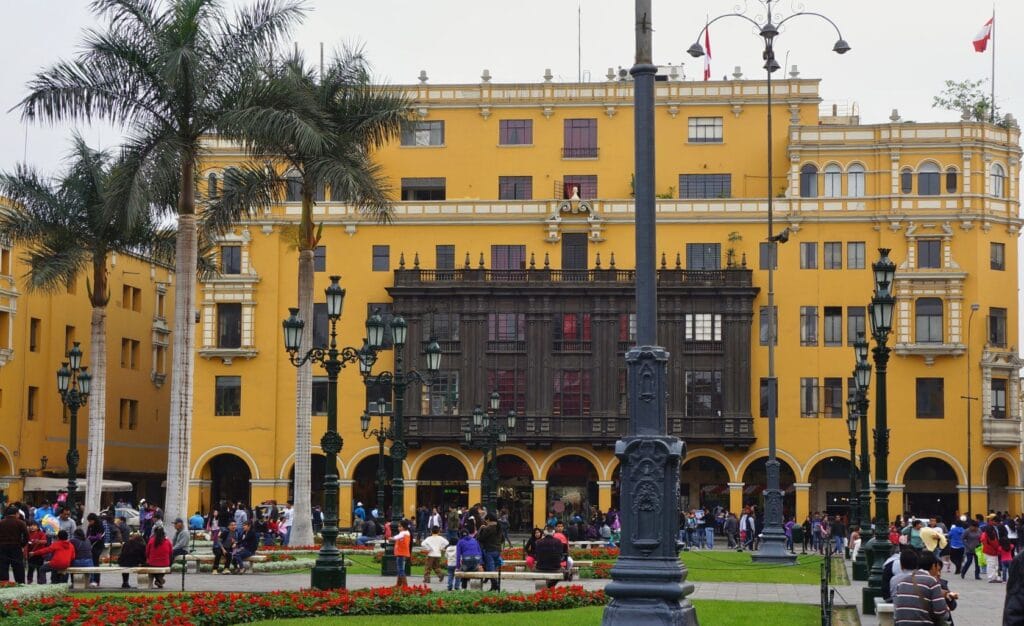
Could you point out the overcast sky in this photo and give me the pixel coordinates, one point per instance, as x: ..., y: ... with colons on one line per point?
x: 902, y: 51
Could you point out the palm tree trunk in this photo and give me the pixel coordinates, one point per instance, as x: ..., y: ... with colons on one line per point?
x: 180, y: 417
x: 97, y: 406
x: 302, y: 526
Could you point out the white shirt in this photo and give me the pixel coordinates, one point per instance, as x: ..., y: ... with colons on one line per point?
x: 435, y: 520
x: 451, y: 552
x: 434, y: 544
x: 286, y: 517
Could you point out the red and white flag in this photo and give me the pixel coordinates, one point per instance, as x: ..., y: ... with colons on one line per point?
x: 980, y: 40
x: 707, y: 54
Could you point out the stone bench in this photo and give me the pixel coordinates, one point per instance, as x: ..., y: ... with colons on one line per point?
x: 884, y: 611
x: 80, y: 575
x: 195, y: 560
x: 541, y: 578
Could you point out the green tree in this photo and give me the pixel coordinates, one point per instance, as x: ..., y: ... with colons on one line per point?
x: 968, y: 96
x: 348, y: 116
x: 173, y: 74
x: 68, y: 227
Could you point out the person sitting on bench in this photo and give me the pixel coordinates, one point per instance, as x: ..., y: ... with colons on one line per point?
x: 549, y: 553
x: 133, y: 554
x: 63, y: 554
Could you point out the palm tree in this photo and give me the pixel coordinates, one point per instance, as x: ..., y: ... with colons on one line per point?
x: 172, y: 73
x: 349, y: 116
x: 68, y: 226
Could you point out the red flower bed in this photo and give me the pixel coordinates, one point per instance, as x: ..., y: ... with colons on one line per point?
x: 222, y: 609
x: 7, y: 583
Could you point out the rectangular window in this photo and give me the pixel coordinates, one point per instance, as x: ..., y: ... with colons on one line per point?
x: 769, y: 397
x: 833, y: 255
x: 583, y: 184
x: 423, y: 189
x: 572, y: 393
x: 703, y: 256
x: 854, y: 323
x: 808, y: 326
x: 808, y: 255
x: 832, y: 397
x: 703, y: 393
x: 444, y: 257
x: 855, y: 255
x: 763, y: 332
x: 580, y: 139
x: 444, y: 327
x: 929, y: 398
x: 160, y: 359
x: 997, y: 256
x: 623, y: 393
x: 929, y: 253
x: 515, y: 187
x: 34, y: 334
x: 997, y: 327
x: 378, y: 396
x: 161, y: 299
x: 384, y: 310
x: 32, y: 406
x: 705, y: 130
x: 231, y: 259
x: 627, y: 331
x: 69, y: 336
x: 998, y: 398
x: 765, y: 253
x: 129, y: 415
x: 506, y: 332
x: 131, y: 298
x: 572, y: 332
x: 702, y: 327
x: 229, y: 325
x: 228, y: 395
x: 320, y: 259
x: 320, y: 324
x: 319, y: 396
x: 808, y: 397
x: 511, y: 387
x: 441, y: 394
x: 515, y: 132
x: 130, y: 353
x: 423, y: 134
x: 705, y: 185
x: 833, y: 326
x: 381, y: 258
x: 505, y: 257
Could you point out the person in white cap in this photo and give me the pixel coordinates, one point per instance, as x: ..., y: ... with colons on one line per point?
x: 360, y: 512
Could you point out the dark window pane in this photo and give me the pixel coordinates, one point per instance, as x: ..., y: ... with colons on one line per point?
x: 381, y: 258
x: 854, y: 323
x: 808, y: 181
x: 765, y: 250
x: 320, y: 259
x: 423, y: 134
x: 229, y: 325
x: 441, y: 395
x: 808, y: 255
x: 833, y: 255
x: 997, y: 327
x: 855, y: 255
x: 515, y: 187
x: 769, y: 397
x: 703, y: 256
x: 929, y: 253
x: 833, y: 326
x: 928, y: 320
x: 764, y: 325
x: 319, y: 401
x: 320, y: 324
x: 808, y: 326
x: 444, y: 257
x: 580, y: 139
x: 703, y: 393
x: 832, y: 397
x: 809, y: 397
x: 511, y: 387
x: 998, y: 389
x: 951, y: 180
x: 506, y: 257
x: 515, y: 132
x: 704, y: 130
x: 572, y: 393
x: 906, y: 181
x: 231, y: 259
x: 997, y: 256
x: 930, y: 398
x: 423, y: 189
x: 293, y: 189
x: 227, y: 395
x: 575, y: 248
x: 585, y: 185
x: 705, y: 185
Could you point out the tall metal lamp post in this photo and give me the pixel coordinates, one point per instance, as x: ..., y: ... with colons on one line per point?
x: 880, y: 314
x: 329, y: 569
x: 382, y: 433
x: 862, y: 380
x: 969, y: 398
x: 398, y: 381
x: 773, y: 547
x: 487, y: 433
x: 73, y: 383
x: 851, y: 427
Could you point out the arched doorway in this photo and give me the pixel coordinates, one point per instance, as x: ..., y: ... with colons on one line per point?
x: 703, y: 482
x: 929, y: 489
x: 830, y: 486
x: 317, y: 471
x: 442, y: 482
x: 997, y: 479
x: 364, y: 489
x: 229, y: 478
x: 572, y: 487
x: 755, y: 481
x: 515, y: 491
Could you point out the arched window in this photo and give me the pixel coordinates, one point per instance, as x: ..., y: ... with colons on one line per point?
x: 293, y: 189
x: 833, y: 181
x: 928, y: 180
x: 211, y: 185
x: 809, y: 181
x: 951, y: 180
x: 929, y: 320
x: 998, y: 180
x: 855, y: 181
x: 906, y: 180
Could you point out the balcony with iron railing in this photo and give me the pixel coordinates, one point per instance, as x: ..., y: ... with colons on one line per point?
x: 572, y: 346
x: 406, y: 277
x: 588, y: 152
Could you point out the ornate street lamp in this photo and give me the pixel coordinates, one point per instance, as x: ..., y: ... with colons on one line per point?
x: 382, y: 433
x: 773, y: 547
x: 73, y: 383
x: 851, y: 427
x: 861, y: 380
x: 329, y: 570
x: 880, y: 313
x: 487, y: 433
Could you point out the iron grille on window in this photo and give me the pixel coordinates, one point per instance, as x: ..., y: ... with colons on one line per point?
x: 571, y: 393
x: 703, y: 393
x: 506, y: 332
x: 705, y: 185
x: 572, y: 334
x: 515, y: 132
x: 511, y: 387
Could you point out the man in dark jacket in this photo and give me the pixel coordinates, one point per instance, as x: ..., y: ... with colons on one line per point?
x: 490, y: 541
x: 549, y: 553
x: 247, y: 546
x: 133, y: 554
x: 13, y: 538
x: 224, y: 546
x: 1013, y: 606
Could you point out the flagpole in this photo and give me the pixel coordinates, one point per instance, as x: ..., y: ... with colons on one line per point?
x: 992, y: 34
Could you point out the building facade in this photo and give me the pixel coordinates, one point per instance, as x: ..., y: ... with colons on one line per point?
x: 512, y: 244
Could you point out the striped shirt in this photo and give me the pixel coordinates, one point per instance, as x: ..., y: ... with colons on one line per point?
x: 918, y: 598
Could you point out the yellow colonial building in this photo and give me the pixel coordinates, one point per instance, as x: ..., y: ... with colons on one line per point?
x: 512, y: 244
x: 36, y: 331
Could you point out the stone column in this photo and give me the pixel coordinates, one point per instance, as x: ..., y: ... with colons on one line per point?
x: 736, y: 498
x: 803, y: 501
x: 198, y: 495
x: 410, y: 499
x: 1015, y: 497
x: 540, y: 502
x: 346, y: 507
x: 604, y: 495
x: 475, y: 495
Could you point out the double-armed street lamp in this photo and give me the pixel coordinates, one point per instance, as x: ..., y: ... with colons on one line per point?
x: 382, y: 433
x: 329, y: 569
x: 487, y: 433
x: 73, y: 383
x: 862, y: 381
x: 880, y: 313
x: 773, y: 546
x: 851, y: 427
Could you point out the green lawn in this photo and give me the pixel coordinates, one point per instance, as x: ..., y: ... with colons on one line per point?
x: 736, y: 567
x: 712, y: 612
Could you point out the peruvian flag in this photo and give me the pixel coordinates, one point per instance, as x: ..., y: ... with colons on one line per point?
x: 980, y: 40
x: 707, y: 54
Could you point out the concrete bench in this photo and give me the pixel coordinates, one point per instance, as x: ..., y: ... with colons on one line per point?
x: 195, y: 560
x: 522, y: 562
x: 80, y: 575
x: 541, y: 578
x: 884, y: 611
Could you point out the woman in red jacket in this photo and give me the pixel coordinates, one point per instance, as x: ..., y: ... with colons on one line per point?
x: 37, y: 540
x: 158, y: 554
x: 990, y: 547
x: 63, y: 555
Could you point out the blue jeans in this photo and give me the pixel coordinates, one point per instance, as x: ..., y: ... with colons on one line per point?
x: 400, y: 566
x: 451, y: 577
x: 838, y: 544
x: 239, y: 557
x: 709, y: 531
x: 491, y: 560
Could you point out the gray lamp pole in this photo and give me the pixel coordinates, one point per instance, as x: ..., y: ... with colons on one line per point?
x: 773, y: 546
x: 851, y: 427
x: 381, y: 434
x: 880, y: 314
x: 862, y: 379
x: 648, y: 581
x: 329, y: 570
x: 73, y: 383
x: 968, y: 397
x: 487, y: 433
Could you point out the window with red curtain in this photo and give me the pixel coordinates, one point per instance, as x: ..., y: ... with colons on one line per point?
x: 571, y: 393
x: 573, y: 333
x: 511, y: 387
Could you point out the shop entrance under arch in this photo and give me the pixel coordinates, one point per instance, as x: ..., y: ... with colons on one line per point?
x: 515, y: 492
x: 364, y: 486
x: 830, y: 486
x: 997, y: 479
x: 929, y: 490
x: 229, y: 478
x: 442, y: 482
x: 755, y: 481
x: 703, y: 482
x: 572, y: 488
x: 317, y: 472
